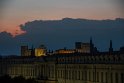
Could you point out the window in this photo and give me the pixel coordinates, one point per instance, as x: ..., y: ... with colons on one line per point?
x: 57, y: 73
x: 63, y: 73
x: 101, y: 76
x: 89, y: 76
x: 97, y: 76
x: 106, y: 77
x: 111, y: 77
x: 66, y: 76
x: 122, y: 78
x: 78, y: 75
x: 85, y: 75
x: 72, y: 74
x: 116, y: 77
x: 82, y: 75
x: 69, y: 74
x: 93, y: 76
x: 60, y: 74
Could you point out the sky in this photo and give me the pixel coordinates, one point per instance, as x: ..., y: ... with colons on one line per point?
x: 58, y: 34
x: 14, y: 13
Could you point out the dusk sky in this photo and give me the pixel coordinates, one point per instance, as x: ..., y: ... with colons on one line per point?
x: 16, y: 12
x: 13, y: 13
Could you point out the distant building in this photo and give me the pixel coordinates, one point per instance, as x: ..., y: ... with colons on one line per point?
x: 41, y: 51
x: 85, y: 47
x: 64, y: 51
x: 25, y: 51
x: 82, y: 47
x: 122, y: 49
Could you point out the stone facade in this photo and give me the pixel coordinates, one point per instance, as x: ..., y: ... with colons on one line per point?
x: 67, y: 68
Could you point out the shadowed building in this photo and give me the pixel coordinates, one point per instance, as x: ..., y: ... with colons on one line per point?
x: 69, y: 67
x: 85, y: 47
x: 82, y: 47
x: 25, y: 51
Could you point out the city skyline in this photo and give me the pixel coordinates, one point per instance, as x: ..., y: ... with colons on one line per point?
x: 56, y: 34
x: 84, y: 64
x: 62, y: 41
x: 60, y: 23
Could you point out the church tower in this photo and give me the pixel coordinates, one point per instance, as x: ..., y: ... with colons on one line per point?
x: 110, y: 47
x: 91, y: 46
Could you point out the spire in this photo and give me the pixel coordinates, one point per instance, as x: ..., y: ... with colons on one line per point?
x: 91, y: 40
x: 32, y: 47
x: 110, y: 47
x: 110, y: 43
x: 91, y: 46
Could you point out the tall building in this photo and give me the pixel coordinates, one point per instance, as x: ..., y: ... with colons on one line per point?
x: 85, y: 47
x: 25, y: 51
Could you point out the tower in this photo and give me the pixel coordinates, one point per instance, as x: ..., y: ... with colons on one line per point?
x: 78, y: 45
x: 32, y: 51
x: 24, y: 50
x: 91, y: 45
x: 110, y: 47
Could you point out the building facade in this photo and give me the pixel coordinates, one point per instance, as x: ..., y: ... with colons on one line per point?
x: 76, y: 67
x: 36, y: 52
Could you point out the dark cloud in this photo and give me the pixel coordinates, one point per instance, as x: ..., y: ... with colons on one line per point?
x: 8, y: 45
x: 64, y: 33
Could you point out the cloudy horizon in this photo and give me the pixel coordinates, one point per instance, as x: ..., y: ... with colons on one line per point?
x: 57, y: 34
x: 56, y: 23
x: 16, y: 12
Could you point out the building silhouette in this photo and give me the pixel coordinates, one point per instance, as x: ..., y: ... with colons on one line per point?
x: 83, y: 64
x: 25, y: 51
x: 110, y: 48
